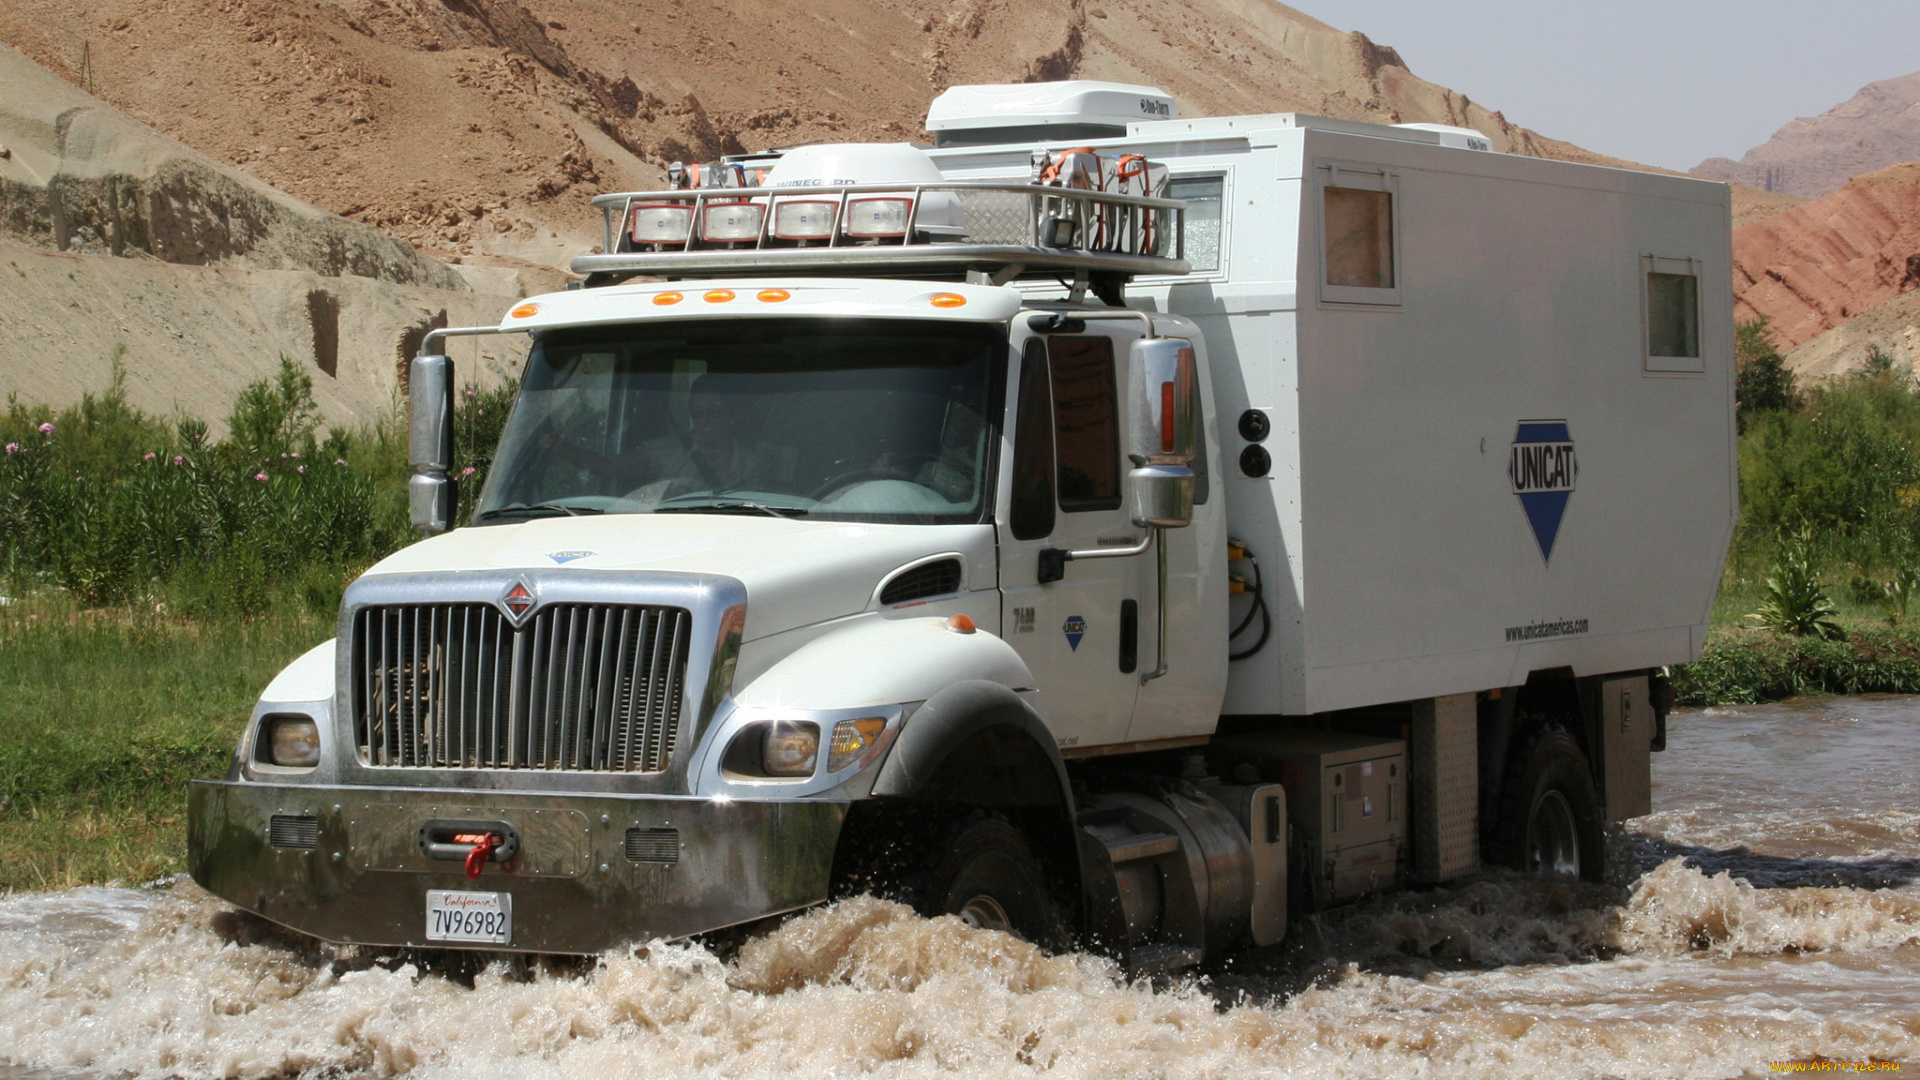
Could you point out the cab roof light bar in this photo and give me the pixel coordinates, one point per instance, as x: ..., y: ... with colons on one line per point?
x: 951, y: 229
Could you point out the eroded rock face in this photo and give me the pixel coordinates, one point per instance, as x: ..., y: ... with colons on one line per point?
x: 1815, y: 266
x: 1814, y: 156
x: 81, y: 177
x: 477, y: 128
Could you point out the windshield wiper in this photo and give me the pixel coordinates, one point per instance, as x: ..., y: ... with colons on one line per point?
x: 734, y: 506
x: 540, y: 510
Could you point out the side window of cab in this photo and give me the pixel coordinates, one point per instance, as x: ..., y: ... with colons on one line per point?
x: 1066, y: 452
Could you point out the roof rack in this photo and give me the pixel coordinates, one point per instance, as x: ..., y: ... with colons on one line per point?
x: 982, y: 231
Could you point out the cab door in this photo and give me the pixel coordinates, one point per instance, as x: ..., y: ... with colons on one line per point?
x: 1064, y: 489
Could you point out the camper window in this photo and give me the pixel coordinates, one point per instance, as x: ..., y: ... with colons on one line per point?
x: 1359, y: 241
x: 1359, y: 238
x: 1671, y: 313
x: 1201, y: 238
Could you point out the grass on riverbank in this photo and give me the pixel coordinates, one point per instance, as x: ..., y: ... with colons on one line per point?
x: 106, y: 716
x: 1741, y: 666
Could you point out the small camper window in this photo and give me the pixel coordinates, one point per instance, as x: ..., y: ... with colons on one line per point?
x: 1201, y: 242
x: 1359, y: 241
x: 1359, y: 238
x: 1671, y: 314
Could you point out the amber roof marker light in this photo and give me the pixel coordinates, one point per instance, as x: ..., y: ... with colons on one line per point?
x: 718, y: 296
x: 525, y: 311
x: 666, y: 298
x: 773, y: 296
x: 947, y: 300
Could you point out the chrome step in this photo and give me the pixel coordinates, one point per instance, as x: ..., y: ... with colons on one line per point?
x: 1156, y: 959
x: 1140, y: 846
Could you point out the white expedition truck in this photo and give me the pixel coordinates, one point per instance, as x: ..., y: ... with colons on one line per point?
x: 1129, y: 543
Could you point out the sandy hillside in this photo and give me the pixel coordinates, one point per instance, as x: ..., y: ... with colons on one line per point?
x: 1893, y: 327
x: 476, y: 129
x: 1752, y: 204
x: 121, y: 243
x: 1813, y: 156
x: 1815, y: 266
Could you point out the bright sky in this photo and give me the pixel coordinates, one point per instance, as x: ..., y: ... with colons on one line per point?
x: 1663, y: 82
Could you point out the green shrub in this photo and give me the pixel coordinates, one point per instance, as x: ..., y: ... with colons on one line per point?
x: 1762, y: 381
x: 1740, y: 666
x: 115, y: 506
x: 1793, y: 601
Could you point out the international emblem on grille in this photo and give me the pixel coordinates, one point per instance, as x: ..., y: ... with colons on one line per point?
x: 518, y: 601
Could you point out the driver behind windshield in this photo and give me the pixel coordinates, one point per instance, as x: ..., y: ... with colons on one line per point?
x: 711, y: 454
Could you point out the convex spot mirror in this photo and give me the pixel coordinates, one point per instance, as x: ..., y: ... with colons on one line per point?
x: 430, y: 442
x: 1162, y: 496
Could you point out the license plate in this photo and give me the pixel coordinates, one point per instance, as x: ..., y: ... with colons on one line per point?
x: 484, y: 918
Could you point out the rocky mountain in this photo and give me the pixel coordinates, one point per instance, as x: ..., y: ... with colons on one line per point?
x: 1817, y: 265
x: 476, y: 129
x: 121, y: 244
x: 1814, y: 156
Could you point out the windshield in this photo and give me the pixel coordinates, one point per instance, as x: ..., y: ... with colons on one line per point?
x: 883, y: 420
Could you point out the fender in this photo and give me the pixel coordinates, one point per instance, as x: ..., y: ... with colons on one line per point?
x: 308, y: 678
x: 872, y: 661
x: 977, y: 742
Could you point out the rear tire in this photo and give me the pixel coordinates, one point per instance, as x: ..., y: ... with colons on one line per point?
x: 989, y: 877
x: 1549, y: 821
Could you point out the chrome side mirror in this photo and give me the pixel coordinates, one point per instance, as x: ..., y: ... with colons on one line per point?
x: 430, y: 443
x: 1164, y: 423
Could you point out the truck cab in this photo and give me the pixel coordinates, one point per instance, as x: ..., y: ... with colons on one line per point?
x: 892, y: 519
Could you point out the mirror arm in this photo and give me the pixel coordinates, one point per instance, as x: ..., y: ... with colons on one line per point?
x: 434, y: 336
x: 1053, y: 561
x: 1060, y: 321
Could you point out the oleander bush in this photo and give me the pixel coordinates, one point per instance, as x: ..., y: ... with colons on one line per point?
x: 114, y: 506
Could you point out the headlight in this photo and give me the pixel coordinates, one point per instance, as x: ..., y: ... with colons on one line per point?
x: 791, y: 749
x: 786, y: 744
x: 293, y: 741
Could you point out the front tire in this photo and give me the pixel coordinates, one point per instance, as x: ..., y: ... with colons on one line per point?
x: 1550, y: 812
x: 989, y: 877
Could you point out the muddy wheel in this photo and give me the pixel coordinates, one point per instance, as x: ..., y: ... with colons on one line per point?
x: 1549, y: 811
x: 989, y: 877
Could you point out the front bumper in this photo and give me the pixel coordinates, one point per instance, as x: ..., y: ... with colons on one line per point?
x: 579, y: 883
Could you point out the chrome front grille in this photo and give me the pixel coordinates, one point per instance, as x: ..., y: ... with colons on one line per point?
x: 579, y: 687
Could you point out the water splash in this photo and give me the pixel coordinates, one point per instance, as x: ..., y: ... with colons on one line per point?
x: 1740, y: 930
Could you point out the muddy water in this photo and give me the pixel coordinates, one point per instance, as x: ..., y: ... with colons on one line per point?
x: 1768, y: 910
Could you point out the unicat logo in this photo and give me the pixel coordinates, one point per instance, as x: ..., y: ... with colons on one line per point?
x: 1075, y: 628
x: 1543, y: 469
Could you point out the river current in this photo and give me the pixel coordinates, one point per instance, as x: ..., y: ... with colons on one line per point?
x: 1767, y: 911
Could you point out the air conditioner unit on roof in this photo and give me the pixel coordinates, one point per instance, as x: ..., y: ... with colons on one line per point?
x: 1012, y: 112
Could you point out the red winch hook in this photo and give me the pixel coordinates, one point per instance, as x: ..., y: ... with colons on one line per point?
x: 483, y: 845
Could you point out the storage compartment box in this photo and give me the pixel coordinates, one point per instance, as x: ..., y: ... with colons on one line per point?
x: 1346, y: 803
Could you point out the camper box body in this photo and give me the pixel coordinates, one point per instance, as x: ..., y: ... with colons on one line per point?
x: 1510, y: 326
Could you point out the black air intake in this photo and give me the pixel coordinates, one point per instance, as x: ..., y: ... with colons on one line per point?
x: 653, y: 845
x: 293, y: 833
x: 936, y: 578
